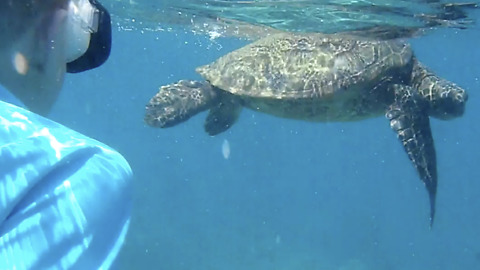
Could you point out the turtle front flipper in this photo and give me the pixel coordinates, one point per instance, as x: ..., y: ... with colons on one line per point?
x: 445, y: 99
x: 409, y: 118
x: 223, y: 115
x: 176, y: 103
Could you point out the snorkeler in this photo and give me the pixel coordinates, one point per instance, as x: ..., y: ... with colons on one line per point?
x: 64, y: 198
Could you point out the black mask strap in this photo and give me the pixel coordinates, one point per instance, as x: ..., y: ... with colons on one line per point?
x: 100, y: 44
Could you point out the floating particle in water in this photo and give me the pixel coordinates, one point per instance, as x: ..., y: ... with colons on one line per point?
x: 88, y: 108
x: 226, y: 149
x: 20, y: 63
x: 278, y: 239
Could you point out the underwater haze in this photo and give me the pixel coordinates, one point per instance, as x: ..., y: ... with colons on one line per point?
x: 284, y: 194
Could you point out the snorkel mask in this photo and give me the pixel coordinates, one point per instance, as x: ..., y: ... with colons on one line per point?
x: 89, y: 35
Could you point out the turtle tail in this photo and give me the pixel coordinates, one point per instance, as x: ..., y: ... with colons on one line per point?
x: 176, y: 103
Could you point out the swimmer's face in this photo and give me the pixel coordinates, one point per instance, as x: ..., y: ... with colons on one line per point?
x: 18, y: 16
x: 32, y: 54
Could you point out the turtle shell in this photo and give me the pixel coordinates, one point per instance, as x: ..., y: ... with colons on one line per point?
x: 296, y: 66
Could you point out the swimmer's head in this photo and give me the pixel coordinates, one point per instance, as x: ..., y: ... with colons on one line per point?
x: 41, y: 40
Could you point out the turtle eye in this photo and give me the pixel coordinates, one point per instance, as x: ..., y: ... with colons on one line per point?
x: 461, y: 96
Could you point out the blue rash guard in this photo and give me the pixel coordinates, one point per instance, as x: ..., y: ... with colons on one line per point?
x: 64, y: 198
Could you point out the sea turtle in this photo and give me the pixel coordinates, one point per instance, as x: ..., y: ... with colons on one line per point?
x: 320, y: 77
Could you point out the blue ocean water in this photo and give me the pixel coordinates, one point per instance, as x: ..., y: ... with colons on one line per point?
x: 292, y: 194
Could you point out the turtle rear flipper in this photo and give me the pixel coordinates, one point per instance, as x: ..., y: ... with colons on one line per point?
x: 223, y: 115
x: 409, y: 118
x: 176, y: 103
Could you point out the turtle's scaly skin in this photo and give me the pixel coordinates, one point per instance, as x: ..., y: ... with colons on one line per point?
x: 444, y: 99
x: 317, y: 77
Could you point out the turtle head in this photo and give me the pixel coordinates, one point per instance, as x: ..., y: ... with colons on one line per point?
x: 177, y: 102
x: 445, y: 99
x: 450, y: 102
